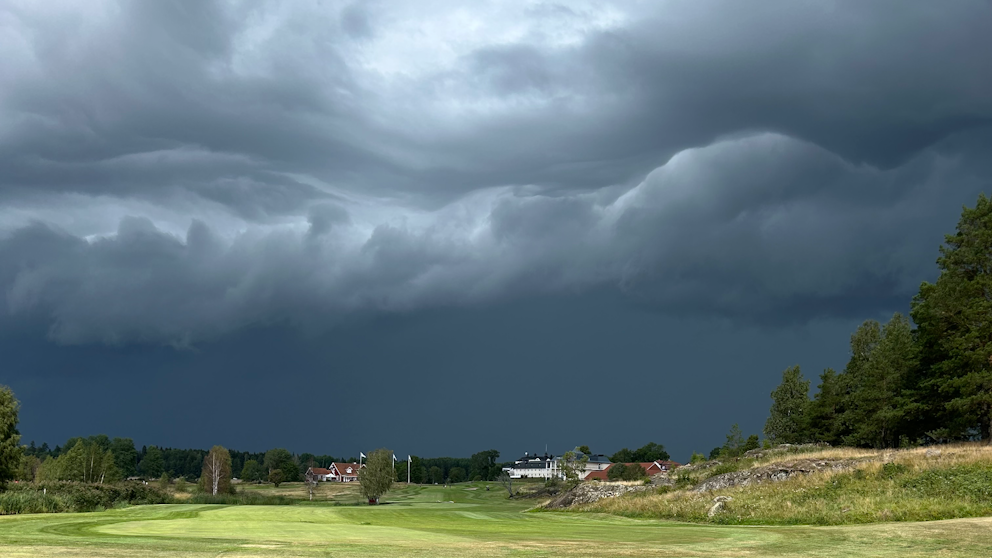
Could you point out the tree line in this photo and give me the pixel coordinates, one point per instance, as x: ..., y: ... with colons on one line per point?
x: 929, y: 381
x: 101, y: 458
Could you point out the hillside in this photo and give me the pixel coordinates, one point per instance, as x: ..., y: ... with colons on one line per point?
x: 820, y: 486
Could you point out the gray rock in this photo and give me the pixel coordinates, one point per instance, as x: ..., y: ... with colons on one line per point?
x: 589, y: 492
x: 773, y: 473
x: 719, y: 504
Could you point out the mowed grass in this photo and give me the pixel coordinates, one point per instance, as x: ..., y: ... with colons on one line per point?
x: 463, y: 520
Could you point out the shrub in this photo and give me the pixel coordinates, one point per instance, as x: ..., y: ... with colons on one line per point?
x: 51, y: 497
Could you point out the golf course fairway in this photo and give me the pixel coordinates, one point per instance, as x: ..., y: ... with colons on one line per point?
x: 460, y: 521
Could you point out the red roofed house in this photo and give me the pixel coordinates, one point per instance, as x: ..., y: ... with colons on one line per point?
x: 340, y: 472
x: 651, y: 468
x: 321, y: 474
x: 346, y: 472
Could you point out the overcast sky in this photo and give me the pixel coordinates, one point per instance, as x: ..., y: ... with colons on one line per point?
x: 446, y: 226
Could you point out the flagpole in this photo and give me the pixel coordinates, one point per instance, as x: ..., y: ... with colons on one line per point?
x: 409, y: 460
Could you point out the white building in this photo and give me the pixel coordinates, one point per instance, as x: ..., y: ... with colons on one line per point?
x: 533, y: 466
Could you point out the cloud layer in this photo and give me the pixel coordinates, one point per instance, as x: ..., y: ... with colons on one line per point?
x: 172, y: 172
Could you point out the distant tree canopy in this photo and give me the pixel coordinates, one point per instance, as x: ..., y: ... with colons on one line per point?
x: 252, y: 471
x: 631, y: 472
x: 646, y: 453
x: 152, y: 464
x: 10, y: 438
x: 904, y: 387
x: 457, y: 474
x: 281, y: 459
x: 483, y: 465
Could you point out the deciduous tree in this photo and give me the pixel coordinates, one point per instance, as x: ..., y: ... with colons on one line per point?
x: 215, y: 477
x: 10, y: 438
x: 376, y: 478
x: 651, y: 452
x: 252, y: 471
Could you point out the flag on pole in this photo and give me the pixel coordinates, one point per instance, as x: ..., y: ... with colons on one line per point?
x: 362, y: 456
x: 394, y: 458
x: 409, y: 459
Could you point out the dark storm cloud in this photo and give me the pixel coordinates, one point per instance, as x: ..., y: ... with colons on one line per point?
x: 176, y: 171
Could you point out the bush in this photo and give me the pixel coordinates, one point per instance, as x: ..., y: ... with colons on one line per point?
x: 53, y: 497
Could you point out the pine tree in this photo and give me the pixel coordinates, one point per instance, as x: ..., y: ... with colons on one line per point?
x: 953, y: 320
x: 823, y: 415
x: 786, y: 422
x: 874, y: 382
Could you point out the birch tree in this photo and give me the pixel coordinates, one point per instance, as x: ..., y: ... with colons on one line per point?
x: 216, y: 475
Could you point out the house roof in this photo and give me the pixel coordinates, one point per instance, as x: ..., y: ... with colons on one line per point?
x: 650, y: 467
x: 594, y: 458
x: 342, y: 469
x: 321, y: 471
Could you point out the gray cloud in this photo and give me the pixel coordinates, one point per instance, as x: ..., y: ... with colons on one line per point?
x: 171, y: 173
x: 761, y: 228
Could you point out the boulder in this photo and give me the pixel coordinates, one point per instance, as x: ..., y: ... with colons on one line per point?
x: 718, y: 504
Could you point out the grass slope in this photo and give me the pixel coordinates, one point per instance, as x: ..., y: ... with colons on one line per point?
x: 457, y: 521
x: 904, y: 485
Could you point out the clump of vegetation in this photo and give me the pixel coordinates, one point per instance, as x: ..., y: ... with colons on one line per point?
x: 621, y: 471
x: 240, y: 499
x: 57, y: 496
x: 904, y: 485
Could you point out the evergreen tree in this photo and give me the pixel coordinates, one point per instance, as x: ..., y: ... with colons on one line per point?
x: 152, y: 465
x: 823, y: 422
x: 874, y: 382
x: 952, y: 316
x: 125, y: 456
x: 786, y: 422
x: 10, y: 438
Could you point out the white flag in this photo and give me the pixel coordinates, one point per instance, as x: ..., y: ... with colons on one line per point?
x: 394, y: 458
x: 409, y: 459
x: 362, y: 456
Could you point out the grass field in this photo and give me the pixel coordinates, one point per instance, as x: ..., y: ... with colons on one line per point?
x: 464, y: 520
x: 884, y: 485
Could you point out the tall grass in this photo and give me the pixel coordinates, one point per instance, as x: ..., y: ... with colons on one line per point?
x: 904, y: 485
x: 241, y: 499
x: 54, y: 497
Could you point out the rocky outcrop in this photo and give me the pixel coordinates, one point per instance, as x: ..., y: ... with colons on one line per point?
x: 774, y: 473
x: 589, y: 492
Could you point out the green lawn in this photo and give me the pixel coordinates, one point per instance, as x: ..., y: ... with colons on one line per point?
x: 439, y: 522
